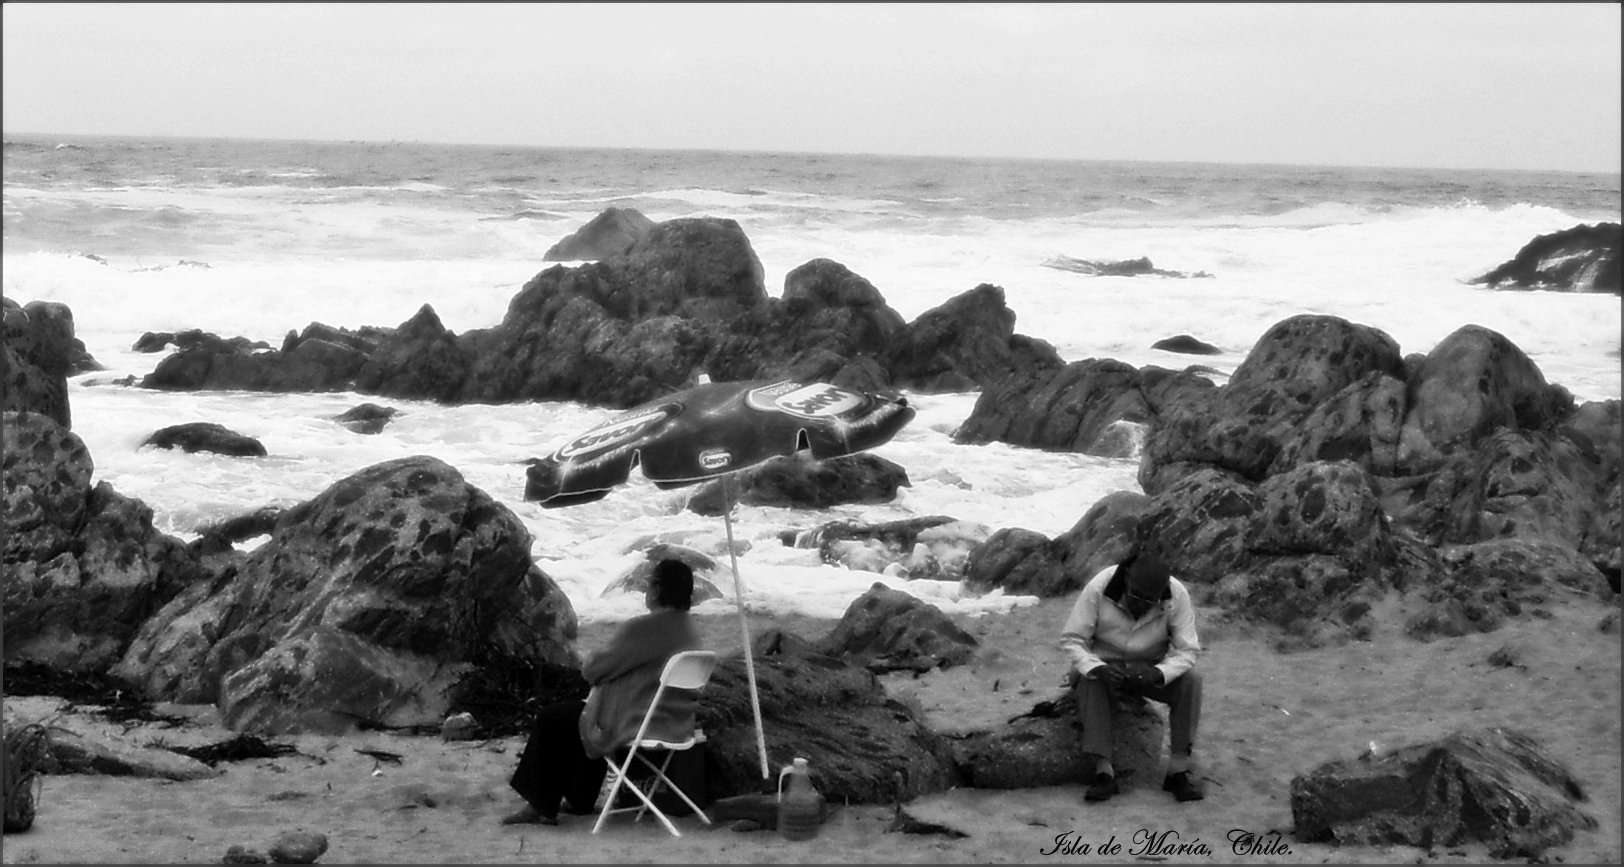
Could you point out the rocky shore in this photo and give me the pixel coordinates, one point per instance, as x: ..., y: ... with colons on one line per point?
x: 1336, y: 494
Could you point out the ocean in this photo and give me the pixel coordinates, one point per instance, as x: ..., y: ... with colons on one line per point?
x: 259, y: 238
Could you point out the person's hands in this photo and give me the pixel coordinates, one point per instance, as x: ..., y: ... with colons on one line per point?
x: 1113, y: 673
x: 1143, y: 675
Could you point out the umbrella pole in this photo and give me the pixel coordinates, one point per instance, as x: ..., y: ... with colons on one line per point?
x: 744, y: 628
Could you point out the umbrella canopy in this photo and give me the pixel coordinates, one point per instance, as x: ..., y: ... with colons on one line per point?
x: 711, y: 430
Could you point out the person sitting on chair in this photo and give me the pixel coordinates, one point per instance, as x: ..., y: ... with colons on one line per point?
x: 563, y: 760
x: 1132, y: 630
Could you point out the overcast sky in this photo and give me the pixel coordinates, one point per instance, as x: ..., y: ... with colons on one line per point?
x: 1448, y: 85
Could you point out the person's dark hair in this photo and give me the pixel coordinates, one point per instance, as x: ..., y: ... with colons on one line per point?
x: 673, y: 584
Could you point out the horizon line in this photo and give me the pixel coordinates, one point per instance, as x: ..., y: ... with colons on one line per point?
x: 8, y: 136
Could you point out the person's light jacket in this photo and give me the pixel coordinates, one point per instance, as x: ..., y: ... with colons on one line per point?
x: 1099, y: 628
x: 625, y: 674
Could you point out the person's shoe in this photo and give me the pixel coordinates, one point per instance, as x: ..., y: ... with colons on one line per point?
x: 528, y: 816
x: 1183, y: 787
x: 1103, y: 788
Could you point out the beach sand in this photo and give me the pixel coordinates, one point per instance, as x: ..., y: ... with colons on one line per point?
x: 1268, y: 717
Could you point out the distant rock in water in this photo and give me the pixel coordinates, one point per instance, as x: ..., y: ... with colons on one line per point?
x: 206, y: 436
x: 608, y: 234
x: 191, y: 338
x: 1187, y: 345
x: 366, y: 418
x: 1123, y: 268
x: 1581, y: 259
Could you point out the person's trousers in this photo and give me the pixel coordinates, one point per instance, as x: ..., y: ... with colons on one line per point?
x: 1182, y: 697
x: 554, y: 764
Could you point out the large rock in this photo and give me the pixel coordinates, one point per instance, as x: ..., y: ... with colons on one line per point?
x: 965, y: 344
x: 610, y: 233
x: 1067, y: 410
x: 798, y: 481
x: 210, y: 362
x: 1044, y: 747
x: 83, y: 565
x: 374, y: 602
x: 1474, y: 383
x: 206, y: 436
x: 864, y: 747
x: 1295, y: 366
x: 1495, y: 786
x: 1584, y: 258
x: 1024, y: 561
x: 36, y: 361
x: 888, y: 630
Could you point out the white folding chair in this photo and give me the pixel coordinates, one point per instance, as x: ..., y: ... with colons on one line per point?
x: 687, y: 670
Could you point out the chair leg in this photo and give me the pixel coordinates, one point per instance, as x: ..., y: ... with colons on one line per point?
x: 619, y: 774
x: 648, y: 803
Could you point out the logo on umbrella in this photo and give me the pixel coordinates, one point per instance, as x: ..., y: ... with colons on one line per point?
x: 816, y: 400
x: 623, y: 429
x: 715, y: 459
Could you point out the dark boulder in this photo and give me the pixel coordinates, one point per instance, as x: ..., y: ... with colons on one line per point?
x: 364, y: 340
x: 1486, y: 583
x: 1186, y: 345
x: 965, y: 344
x: 1074, y: 408
x: 1044, y: 747
x: 1297, y: 364
x: 1584, y: 258
x: 1022, y: 561
x: 1474, y: 383
x: 1495, y: 786
x: 37, y: 359
x: 420, y: 360
x: 799, y: 481
x: 200, y: 436
x: 366, y: 418
x: 211, y: 362
x: 864, y: 747
x: 625, y: 330
x: 84, y: 566
x: 53, y: 322
x: 610, y: 233
x: 376, y: 602
x: 887, y: 630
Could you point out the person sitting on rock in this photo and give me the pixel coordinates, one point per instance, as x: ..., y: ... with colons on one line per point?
x: 1132, y: 630
x: 563, y: 760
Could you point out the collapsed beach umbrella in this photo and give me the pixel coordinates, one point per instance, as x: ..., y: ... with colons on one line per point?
x: 712, y: 430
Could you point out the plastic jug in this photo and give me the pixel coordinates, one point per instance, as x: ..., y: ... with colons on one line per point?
x: 800, y: 807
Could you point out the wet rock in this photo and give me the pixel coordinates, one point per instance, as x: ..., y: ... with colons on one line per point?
x: 206, y: 437
x: 799, y: 481
x: 612, y: 232
x: 1584, y: 258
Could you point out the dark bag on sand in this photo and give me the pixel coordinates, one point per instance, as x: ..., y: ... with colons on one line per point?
x: 687, y: 770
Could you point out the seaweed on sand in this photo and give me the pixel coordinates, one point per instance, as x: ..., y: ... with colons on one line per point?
x: 27, y: 749
x: 104, y: 695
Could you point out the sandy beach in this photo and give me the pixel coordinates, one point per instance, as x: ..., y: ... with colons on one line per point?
x: 1269, y: 717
